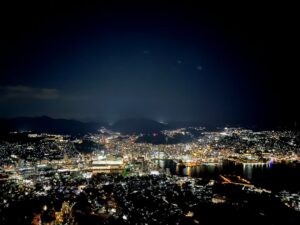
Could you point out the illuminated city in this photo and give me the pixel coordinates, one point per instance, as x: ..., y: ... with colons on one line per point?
x: 103, y: 176
x: 148, y: 113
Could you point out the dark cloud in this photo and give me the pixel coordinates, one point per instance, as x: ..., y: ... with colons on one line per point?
x: 26, y: 92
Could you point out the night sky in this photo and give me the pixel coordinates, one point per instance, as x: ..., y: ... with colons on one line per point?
x: 167, y: 62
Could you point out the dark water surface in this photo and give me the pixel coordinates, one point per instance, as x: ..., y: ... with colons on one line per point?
x: 276, y: 177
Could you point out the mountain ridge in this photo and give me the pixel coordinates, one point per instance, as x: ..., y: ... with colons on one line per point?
x: 45, y: 124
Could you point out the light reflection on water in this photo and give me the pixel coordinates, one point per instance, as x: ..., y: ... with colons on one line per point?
x: 272, y: 176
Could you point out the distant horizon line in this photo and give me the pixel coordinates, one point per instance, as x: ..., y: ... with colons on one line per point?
x: 166, y: 122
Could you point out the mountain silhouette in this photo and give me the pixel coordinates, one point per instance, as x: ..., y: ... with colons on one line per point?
x: 46, y: 124
x: 140, y: 125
